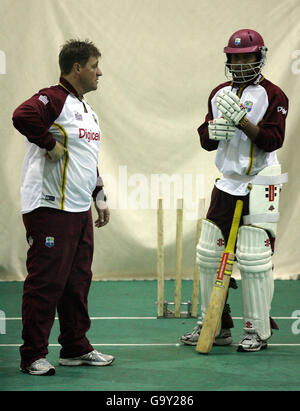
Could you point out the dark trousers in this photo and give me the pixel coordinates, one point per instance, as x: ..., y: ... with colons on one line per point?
x: 58, y: 263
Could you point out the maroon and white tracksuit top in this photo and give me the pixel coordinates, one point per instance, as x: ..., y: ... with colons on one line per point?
x: 57, y: 114
x: 267, y: 107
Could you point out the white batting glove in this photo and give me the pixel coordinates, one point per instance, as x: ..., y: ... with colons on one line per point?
x: 230, y: 106
x: 221, y: 129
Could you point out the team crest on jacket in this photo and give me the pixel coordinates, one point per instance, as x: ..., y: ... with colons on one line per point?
x: 248, y: 105
x: 49, y: 242
x: 78, y: 116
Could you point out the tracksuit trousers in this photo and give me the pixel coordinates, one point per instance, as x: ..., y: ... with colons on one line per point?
x: 58, y: 263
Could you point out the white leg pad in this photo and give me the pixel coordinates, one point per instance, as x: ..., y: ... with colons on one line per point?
x: 255, y: 264
x: 209, y: 251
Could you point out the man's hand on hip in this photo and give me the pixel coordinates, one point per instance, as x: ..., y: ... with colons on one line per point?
x: 57, y: 152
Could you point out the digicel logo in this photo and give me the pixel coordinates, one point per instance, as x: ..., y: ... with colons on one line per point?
x: 89, y: 135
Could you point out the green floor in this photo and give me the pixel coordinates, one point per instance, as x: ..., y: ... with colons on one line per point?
x: 148, y: 356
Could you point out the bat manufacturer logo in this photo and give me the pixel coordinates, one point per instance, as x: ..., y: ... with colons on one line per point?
x: 222, y: 266
x: 271, y: 192
x: 220, y: 242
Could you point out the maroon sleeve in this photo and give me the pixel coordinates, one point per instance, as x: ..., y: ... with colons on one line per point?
x: 205, y: 141
x: 34, y: 117
x: 272, y: 126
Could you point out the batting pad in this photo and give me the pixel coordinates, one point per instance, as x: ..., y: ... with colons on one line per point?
x: 209, y: 251
x: 255, y: 264
x: 264, y: 198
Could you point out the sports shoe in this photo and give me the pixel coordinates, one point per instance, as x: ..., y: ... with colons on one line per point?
x: 39, y: 367
x: 191, y: 338
x: 251, y: 342
x: 92, y: 358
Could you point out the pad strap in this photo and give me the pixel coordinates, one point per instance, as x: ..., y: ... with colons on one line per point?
x: 259, y: 179
x: 261, y: 218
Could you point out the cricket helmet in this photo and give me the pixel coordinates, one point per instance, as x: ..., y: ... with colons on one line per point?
x: 245, y: 41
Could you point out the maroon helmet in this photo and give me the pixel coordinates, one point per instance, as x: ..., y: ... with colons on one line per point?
x: 245, y: 41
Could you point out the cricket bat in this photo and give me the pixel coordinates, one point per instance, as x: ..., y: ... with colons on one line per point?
x: 219, y: 292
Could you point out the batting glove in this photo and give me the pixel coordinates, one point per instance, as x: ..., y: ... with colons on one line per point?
x: 230, y: 106
x: 221, y: 129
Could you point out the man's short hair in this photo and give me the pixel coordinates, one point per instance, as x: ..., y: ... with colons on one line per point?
x: 76, y: 51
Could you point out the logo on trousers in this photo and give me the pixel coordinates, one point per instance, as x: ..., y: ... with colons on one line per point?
x: 49, y: 242
x: 296, y: 324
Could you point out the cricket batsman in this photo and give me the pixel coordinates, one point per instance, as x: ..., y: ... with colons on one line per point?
x: 245, y: 124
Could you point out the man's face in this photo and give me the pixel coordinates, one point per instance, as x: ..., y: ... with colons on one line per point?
x: 242, y: 65
x: 89, y: 74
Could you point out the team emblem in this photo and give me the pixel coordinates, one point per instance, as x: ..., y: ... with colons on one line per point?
x: 49, y: 242
x: 248, y: 106
x: 237, y: 41
x: 78, y: 116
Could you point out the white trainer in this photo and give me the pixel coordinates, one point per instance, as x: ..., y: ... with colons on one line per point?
x: 92, y: 358
x: 39, y: 367
x: 191, y: 338
x: 251, y: 342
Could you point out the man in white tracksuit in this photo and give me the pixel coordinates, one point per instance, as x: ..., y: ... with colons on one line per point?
x: 245, y: 123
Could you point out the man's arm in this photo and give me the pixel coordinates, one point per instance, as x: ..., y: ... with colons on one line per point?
x: 100, y: 203
x: 269, y: 133
x: 34, y: 117
x: 205, y: 141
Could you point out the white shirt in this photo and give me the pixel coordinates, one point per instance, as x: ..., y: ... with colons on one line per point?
x: 67, y: 184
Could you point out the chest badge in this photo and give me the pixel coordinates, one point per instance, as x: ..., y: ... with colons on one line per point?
x: 248, y: 105
x: 78, y: 116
